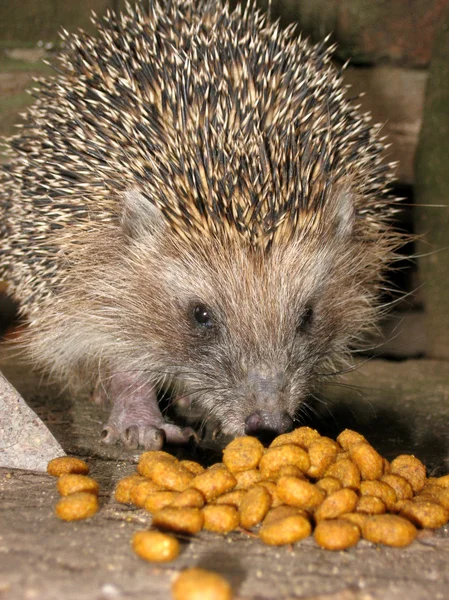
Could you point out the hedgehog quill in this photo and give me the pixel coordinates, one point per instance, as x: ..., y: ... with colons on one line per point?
x: 193, y: 200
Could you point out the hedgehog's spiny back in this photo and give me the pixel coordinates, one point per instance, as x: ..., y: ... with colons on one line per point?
x: 225, y: 122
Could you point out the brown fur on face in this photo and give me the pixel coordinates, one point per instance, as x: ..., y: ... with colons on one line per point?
x: 132, y: 310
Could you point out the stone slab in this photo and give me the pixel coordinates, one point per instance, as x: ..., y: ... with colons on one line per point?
x: 25, y: 442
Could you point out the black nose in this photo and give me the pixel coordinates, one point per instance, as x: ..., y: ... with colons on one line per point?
x: 263, y: 421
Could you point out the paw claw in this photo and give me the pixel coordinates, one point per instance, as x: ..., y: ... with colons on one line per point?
x: 130, y: 437
x: 109, y: 435
x: 179, y: 435
x: 146, y: 436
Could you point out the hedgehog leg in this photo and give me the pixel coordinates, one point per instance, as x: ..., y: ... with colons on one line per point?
x: 135, y: 418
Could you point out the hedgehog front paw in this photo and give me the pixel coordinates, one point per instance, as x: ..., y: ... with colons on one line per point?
x: 148, y: 436
x: 135, y: 419
x: 135, y: 436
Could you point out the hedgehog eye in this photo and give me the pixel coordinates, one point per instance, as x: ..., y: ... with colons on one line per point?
x: 202, y: 316
x: 305, y: 320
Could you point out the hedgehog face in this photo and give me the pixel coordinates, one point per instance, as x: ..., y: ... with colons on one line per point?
x: 247, y: 333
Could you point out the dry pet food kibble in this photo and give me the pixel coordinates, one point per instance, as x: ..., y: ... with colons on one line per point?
x: 279, y: 456
x: 425, y: 514
x: 254, y: 506
x: 411, y: 469
x: 190, y: 498
x: 140, y: 491
x: 158, y: 500
x: 221, y: 519
x: 287, y: 530
x: 297, y: 492
x: 123, y: 489
x: 171, y: 475
x: 369, y: 462
x: 80, y: 505
x: 389, y: 530
x: 69, y: 484
x: 199, y: 584
x: 336, y: 504
x: 336, y: 534
x: 65, y: 465
x: 214, y: 482
x: 180, y: 520
x: 155, y: 546
x: 243, y: 454
x: 302, y: 483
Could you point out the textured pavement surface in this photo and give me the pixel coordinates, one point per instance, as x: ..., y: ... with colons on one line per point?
x: 400, y: 407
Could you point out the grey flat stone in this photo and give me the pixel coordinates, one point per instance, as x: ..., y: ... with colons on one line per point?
x: 25, y: 442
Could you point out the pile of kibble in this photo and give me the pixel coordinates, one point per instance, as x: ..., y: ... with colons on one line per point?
x: 340, y: 490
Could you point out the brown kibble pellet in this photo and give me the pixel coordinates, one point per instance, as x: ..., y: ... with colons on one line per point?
x: 254, y: 506
x: 400, y: 485
x: 371, y: 505
x: 159, y: 500
x: 80, y: 505
x: 70, y: 484
x: 199, y: 584
x: 345, y: 487
x: 179, y: 520
x: 153, y: 457
x: 285, y: 531
x: 346, y: 472
x: 389, y: 530
x: 214, y: 482
x: 281, y: 512
x: 411, y: 469
x: 337, y: 534
x: 67, y: 465
x: 220, y: 519
x: 246, y: 479
x: 328, y: 485
x: 348, y: 438
x: 243, y: 454
x: 422, y: 498
x: 397, y: 506
x: 290, y: 471
x: 124, y: 486
x: 303, y: 437
x: 189, y: 498
x: 425, y: 514
x: 272, y: 488
x: 155, y: 546
x: 343, y: 455
x: 277, y: 457
x: 322, y: 454
x: 381, y: 490
x: 356, y: 518
x: 233, y: 498
x: 338, y: 503
x: 171, y: 475
x: 442, y: 481
x: 369, y: 462
x: 438, y: 493
x: 297, y: 492
x: 192, y: 466
x: 141, y: 490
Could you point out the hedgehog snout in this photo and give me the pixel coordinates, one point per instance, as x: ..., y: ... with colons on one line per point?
x: 265, y: 387
x: 263, y: 421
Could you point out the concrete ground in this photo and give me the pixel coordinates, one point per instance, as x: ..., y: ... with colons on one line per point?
x: 400, y: 406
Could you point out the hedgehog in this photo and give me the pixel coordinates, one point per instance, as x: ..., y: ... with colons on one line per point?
x: 193, y: 201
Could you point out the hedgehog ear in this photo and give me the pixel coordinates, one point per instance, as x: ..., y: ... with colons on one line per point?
x: 343, y: 212
x: 139, y: 215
